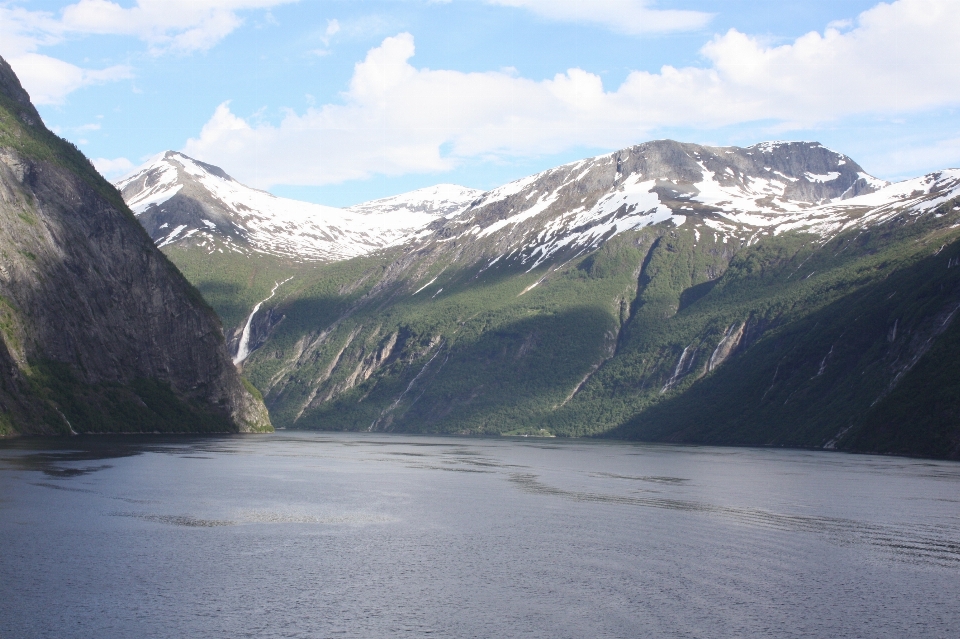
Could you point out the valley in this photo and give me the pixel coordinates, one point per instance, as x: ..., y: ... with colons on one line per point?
x: 775, y: 295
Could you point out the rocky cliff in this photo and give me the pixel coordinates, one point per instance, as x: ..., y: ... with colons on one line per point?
x: 99, y: 332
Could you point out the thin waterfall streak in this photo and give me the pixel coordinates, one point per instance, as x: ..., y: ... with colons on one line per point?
x: 243, y: 350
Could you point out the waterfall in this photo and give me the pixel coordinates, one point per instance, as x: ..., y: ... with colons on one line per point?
x: 244, y: 349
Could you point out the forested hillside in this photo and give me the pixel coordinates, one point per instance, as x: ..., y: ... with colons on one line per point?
x: 774, y: 295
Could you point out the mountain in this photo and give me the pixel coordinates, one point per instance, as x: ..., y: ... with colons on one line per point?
x: 771, y: 295
x: 441, y: 200
x: 237, y: 244
x: 179, y: 200
x: 98, y: 330
x: 743, y: 193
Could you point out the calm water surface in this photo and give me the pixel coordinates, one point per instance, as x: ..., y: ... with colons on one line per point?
x: 319, y: 535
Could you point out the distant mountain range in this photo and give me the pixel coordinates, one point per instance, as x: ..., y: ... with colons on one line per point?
x: 769, y: 186
x: 182, y: 201
x: 770, y: 295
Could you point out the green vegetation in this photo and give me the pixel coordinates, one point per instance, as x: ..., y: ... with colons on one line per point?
x: 38, y: 143
x: 497, y: 343
x: 251, y: 388
x: 143, y: 406
x: 920, y: 416
x: 10, y: 326
x: 625, y: 341
x: 47, y: 253
x: 834, y: 345
x: 231, y: 283
x: 528, y: 432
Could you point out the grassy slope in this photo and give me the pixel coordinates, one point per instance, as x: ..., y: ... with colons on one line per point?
x: 832, y: 351
x: 507, y: 358
x: 921, y: 416
x: 230, y: 282
x: 480, y: 326
x: 38, y: 143
x: 472, y: 352
x: 501, y: 357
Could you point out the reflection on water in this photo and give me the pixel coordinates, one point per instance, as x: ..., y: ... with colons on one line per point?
x: 315, y: 535
x: 178, y: 520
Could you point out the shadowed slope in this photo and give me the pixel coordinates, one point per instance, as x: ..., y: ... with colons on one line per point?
x: 100, y: 331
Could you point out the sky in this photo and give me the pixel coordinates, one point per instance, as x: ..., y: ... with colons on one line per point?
x: 338, y: 102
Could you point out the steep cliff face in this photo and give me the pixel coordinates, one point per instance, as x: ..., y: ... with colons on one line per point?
x: 98, y: 331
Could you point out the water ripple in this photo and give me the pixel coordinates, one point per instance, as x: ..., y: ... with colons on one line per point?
x: 905, y: 541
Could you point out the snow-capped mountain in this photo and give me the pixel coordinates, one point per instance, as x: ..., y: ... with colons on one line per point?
x: 595, y: 297
x: 185, y: 201
x: 441, y: 200
x: 737, y: 192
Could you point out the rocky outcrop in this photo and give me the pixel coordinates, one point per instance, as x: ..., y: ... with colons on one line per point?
x: 98, y: 330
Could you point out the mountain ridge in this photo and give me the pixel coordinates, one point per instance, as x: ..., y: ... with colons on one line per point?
x: 616, y: 296
x: 98, y: 330
x: 179, y: 199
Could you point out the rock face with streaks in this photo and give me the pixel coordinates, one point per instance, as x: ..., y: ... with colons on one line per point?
x: 99, y: 332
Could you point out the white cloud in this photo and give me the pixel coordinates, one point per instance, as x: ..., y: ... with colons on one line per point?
x: 22, y: 30
x: 626, y: 16
x: 178, y: 25
x: 333, y: 28
x: 49, y: 80
x: 111, y: 169
x: 166, y: 25
x: 397, y: 119
x: 905, y: 161
x: 901, y: 57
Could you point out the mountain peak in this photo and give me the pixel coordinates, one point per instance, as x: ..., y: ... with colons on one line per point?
x: 195, y: 167
x: 180, y: 199
x: 11, y: 88
x: 738, y: 192
x: 166, y: 167
x: 185, y: 201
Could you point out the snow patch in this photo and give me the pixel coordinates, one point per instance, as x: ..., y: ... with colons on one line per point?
x: 827, y: 177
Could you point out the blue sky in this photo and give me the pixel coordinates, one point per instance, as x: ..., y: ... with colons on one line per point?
x: 338, y: 102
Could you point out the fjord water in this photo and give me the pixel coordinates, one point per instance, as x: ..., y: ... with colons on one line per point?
x: 345, y: 535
